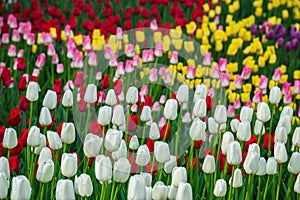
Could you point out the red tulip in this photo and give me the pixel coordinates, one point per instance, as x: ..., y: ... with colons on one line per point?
x: 14, y: 164
x: 14, y: 117
x: 132, y: 123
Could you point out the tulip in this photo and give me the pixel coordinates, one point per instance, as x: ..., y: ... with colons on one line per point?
x: 50, y: 100
x: 287, y: 110
x: 146, y: 114
x: 285, y: 122
x: 220, y: 115
x: 90, y: 95
x: 244, y: 131
x: 186, y: 118
x: 65, y: 190
x: 200, y: 92
x: 259, y: 128
x: 45, y: 117
x: 182, y: 93
x: 147, y: 178
x: 280, y: 152
x: 179, y: 175
x: 209, y: 164
x: 132, y: 95
x: 237, y: 180
x: 39, y: 148
x: 199, y: 109
x: 33, y: 138
x: 32, y: 92
x: 212, y: 126
x: 261, y: 167
x: 161, y: 151
x: 148, y: 193
x: 154, y: 131
x: 281, y: 135
x: 136, y: 188
x: 104, y: 115
x: 103, y: 168
x: 234, y: 124
x: 293, y: 166
x: 143, y: 156
x: 113, y: 139
x: 251, y: 162
x: 220, y: 188
x: 170, y: 164
x: 274, y: 96
x: 246, y: 114
x: 4, y: 166
x: 67, y: 99
x: 121, y: 170
x: 297, y: 185
x: 226, y: 140
x: 69, y: 164
x: 234, y: 153
x: 83, y: 185
x: 159, y: 191
x: 121, y: 152
x: 134, y: 143
x: 92, y: 145
x: 45, y: 155
x: 296, y: 137
x: 54, y: 140
x: 4, y: 184
x: 45, y: 171
x: 263, y: 112
x: 271, y: 167
x: 10, y: 139
x: 172, y: 192
x: 197, y: 129
x: 118, y: 117
x: 68, y: 133
x: 170, y: 110
x: 111, y: 98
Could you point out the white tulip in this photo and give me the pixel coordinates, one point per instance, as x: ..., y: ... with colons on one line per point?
x: 161, y: 151
x: 33, y: 138
x: 4, y: 185
x: 103, y: 168
x: 118, y: 117
x: 83, y: 185
x: 254, y: 147
x: 134, y: 143
x: 234, y: 153
x: 122, y: 170
x: 50, y: 100
x: 297, y: 185
x: 226, y: 140
x: 178, y: 175
x: 92, y: 145
x: 132, y: 95
x: 287, y: 110
x: 271, y: 167
x: 251, y: 162
x: 184, y: 192
x: 170, y: 110
x: 246, y: 114
x: 212, y: 126
x: 200, y: 92
x: 146, y: 114
x: 259, y: 128
x: 159, y: 191
x: 113, y: 139
x: 54, y: 140
x: 293, y: 166
x: 237, y: 180
x: 104, y: 116
x: 285, y: 122
x: 121, y: 152
x: 183, y: 93
x: 69, y: 164
x: 147, y: 178
x: 263, y: 112
x: 274, y: 96
x: 67, y: 99
x: 45, y: 155
x: 68, y: 133
x: 143, y: 156
x: 90, y: 95
x: 244, y: 131
x: 280, y: 135
x: 10, y: 139
x: 280, y: 152
x: 220, y: 115
x: 296, y: 137
x: 32, y: 92
x: 65, y: 190
x: 262, y: 164
x: 209, y: 164
x: 154, y: 131
x: 234, y: 124
x: 45, y: 171
x: 197, y: 129
x: 220, y: 188
x: 39, y: 148
x: 20, y: 188
x: 148, y: 193
x: 4, y: 166
x: 111, y: 98
x: 169, y: 165
x: 45, y: 117
x: 136, y: 188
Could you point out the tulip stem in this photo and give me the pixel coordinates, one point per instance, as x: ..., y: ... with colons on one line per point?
x: 103, y: 191
x: 41, y: 192
x: 178, y: 128
x: 191, y: 158
x: 30, y: 113
x: 117, y: 191
x: 160, y: 174
x: 270, y: 131
x: 258, y: 187
x: 217, y: 155
x: 88, y: 119
x: 266, y: 188
x: 167, y: 129
x: 225, y: 169
x: 290, y: 184
x: 279, y: 182
x: 8, y: 154
x: 205, y: 185
x: 260, y: 133
x: 169, y: 179
x: 28, y: 156
x: 52, y: 74
x: 249, y: 186
x: 231, y: 189
x: 86, y: 165
x: 113, y: 190
x: 67, y: 114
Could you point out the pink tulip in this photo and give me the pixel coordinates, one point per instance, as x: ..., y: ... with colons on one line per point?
x: 158, y: 52
x: 156, y: 106
x: 48, y: 38
x: 277, y: 75
x: 186, y: 118
x: 41, y: 59
x: 230, y: 111
x: 55, y: 59
x: 134, y: 108
x: 162, y: 99
x: 12, y: 51
x: 147, y: 55
x: 35, y: 72
x: 15, y: 36
x: 238, y: 83
x: 207, y: 59
x: 60, y: 68
x: 71, y: 42
x: 237, y: 104
x: 12, y: 21
x: 31, y: 39
x: 167, y: 77
x: 130, y: 50
x: 285, y: 88
x: 162, y: 71
x: 299, y: 112
x: 87, y: 42
x: 67, y: 31
x: 108, y: 52
x: 217, y: 21
x: 50, y: 50
x: 223, y: 64
x: 119, y: 33
x: 263, y: 82
x: 153, y: 75
x: 249, y: 103
x: 120, y: 68
x: 144, y: 90
x: 153, y: 25
x: 246, y: 73
x: 257, y: 98
x: 191, y: 70
x: 20, y: 53
x: 113, y: 61
x: 78, y: 61
x: 71, y: 52
x: 24, y: 27
x: 43, y: 38
x: 129, y: 66
x: 174, y: 57
x: 99, y: 76
x: 136, y: 60
x: 69, y: 85
x: 225, y: 79
x: 93, y: 59
x: 216, y: 72
x: 5, y: 38
x: 288, y: 98
x: 297, y: 87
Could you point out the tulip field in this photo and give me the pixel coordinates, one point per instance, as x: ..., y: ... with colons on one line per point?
x: 149, y: 99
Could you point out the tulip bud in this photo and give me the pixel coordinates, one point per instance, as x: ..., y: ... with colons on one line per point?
x: 122, y: 170
x: 251, y: 162
x: 104, y: 115
x: 226, y: 140
x: 234, y: 124
x: 10, y: 139
x: 254, y: 148
x: 39, y: 148
x: 287, y: 110
x: 184, y: 192
x: 159, y: 191
x: 209, y: 164
x: 246, y: 114
x: 172, y: 192
x: 113, y: 139
x: 170, y: 164
x: 220, y: 115
x: 32, y: 92
x: 274, y: 96
x: 257, y: 128
x: 92, y: 145
x: 161, y: 151
x: 45, y: 155
x: 111, y: 98
x: 65, y: 190
x: 146, y: 114
x: 178, y: 175
x: 280, y: 152
x: 45, y: 171
x: 296, y: 137
x: 263, y: 112
x: 234, y: 153
x: 20, y: 188
x: 83, y: 185
x: 281, y: 135
x: 90, y: 95
x: 154, y: 131
x: 170, y: 110
x: 68, y: 133
x: 132, y: 95
x: 143, y: 156
x: 134, y: 143
x: 271, y: 167
x: 147, y: 178
x: 4, y: 166
x: 200, y: 92
x: 121, y: 152
x: 118, y: 117
x: 33, y: 138
x: 285, y: 122
x: 67, y: 99
x: 297, y: 185
x: 136, y: 188
x: 199, y: 109
x: 212, y: 126
x: 45, y: 117
x: 50, y: 100
x: 237, y: 180
x: 4, y: 184
x: 220, y: 188
x: 103, y: 168
x: 197, y: 129
x: 294, y: 166
x: 261, y: 167
x: 69, y: 164
x: 244, y: 131
x: 54, y: 140
x: 183, y: 93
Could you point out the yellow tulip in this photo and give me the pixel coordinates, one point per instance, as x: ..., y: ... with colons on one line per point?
x: 218, y: 46
x: 232, y: 50
x: 215, y: 1
x: 96, y: 34
x: 227, y: 2
x: 206, y: 81
x: 237, y: 42
x: 137, y: 49
x: 125, y: 38
x: 257, y: 3
x: 192, y: 84
x: 298, y: 96
x: 184, y: 70
x: 176, y: 33
x: 231, y: 9
x: 177, y: 43
x: 265, y: 98
x: 189, y: 46
x: 34, y: 48
x: 191, y: 27
x: 283, y: 69
x: 228, y: 18
x: 212, y: 26
x: 245, y: 97
x: 297, y: 74
x: 218, y: 10
x: 255, y: 80
x: 231, y: 86
x: 285, y: 14
x: 205, y: 19
x: 179, y: 66
x: 236, y: 5
x: 191, y: 62
x: 258, y: 12
x: 140, y: 36
x: 78, y: 40
x: 272, y: 59
x: 283, y: 78
x: 232, y: 67
x: 205, y: 40
x: 228, y: 31
x: 204, y: 49
x: 261, y: 61
x: 166, y: 43
x: 247, y: 88
x: 199, y: 33
x: 53, y: 32
x: 231, y: 97
x: 197, y: 82
x: 269, y: 6
x: 180, y: 78
x: 157, y: 37
x: 39, y: 35
x: 63, y: 37
x: 205, y: 7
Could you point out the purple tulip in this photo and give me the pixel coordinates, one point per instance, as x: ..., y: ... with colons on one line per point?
x: 282, y: 32
x: 278, y: 27
x: 280, y: 42
x: 254, y: 29
x: 270, y: 35
x: 288, y: 46
x: 298, y: 35
x: 295, y: 44
x: 263, y: 29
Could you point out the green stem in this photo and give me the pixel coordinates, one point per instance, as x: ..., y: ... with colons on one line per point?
x: 166, y: 132
x: 67, y: 114
x: 86, y: 165
x: 88, y: 120
x: 116, y: 192
x: 112, y: 190
x: 266, y: 187
x: 290, y: 185
x: 270, y: 131
x: 258, y: 187
x: 178, y: 128
x: 279, y: 181
x: 205, y: 186
x: 259, y: 137
x: 249, y: 186
x: 217, y: 156
x: 225, y: 169
x: 191, y: 155
x: 230, y: 185
x: 8, y: 154
x: 30, y: 113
